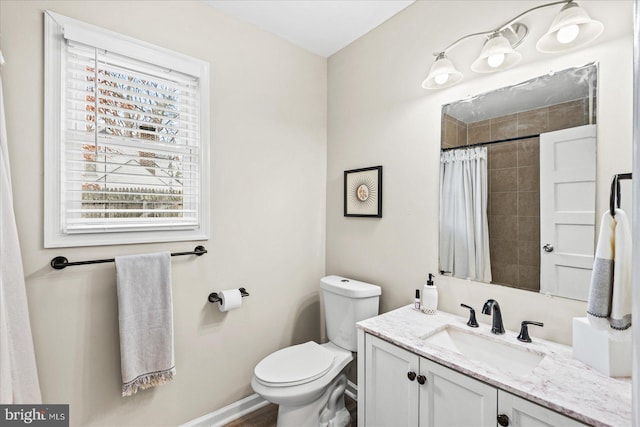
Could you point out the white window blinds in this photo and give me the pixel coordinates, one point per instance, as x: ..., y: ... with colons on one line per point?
x: 131, y: 144
x: 126, y: 139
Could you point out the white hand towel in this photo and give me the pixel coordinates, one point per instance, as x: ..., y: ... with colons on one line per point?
x: 621, y: 300
x: 146, y: 320
x: 609, y: 305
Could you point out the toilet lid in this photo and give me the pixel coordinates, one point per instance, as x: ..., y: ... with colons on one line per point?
x: 294, y: 365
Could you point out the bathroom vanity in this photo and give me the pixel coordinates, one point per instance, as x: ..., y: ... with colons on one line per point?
x: 433, y: 370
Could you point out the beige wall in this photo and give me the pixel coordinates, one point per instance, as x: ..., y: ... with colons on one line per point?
x: 379, y: 114
x: 268, y: 180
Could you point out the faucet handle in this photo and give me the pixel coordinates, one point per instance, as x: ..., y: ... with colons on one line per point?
x: 524, y: 330
x: 473, y: 323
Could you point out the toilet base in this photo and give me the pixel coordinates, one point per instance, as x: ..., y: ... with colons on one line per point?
x: 327, y: 411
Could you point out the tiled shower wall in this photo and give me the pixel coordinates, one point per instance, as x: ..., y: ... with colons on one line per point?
x: 514, y: 182
x: 514, y: 213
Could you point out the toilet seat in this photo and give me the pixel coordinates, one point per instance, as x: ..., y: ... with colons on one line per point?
x: 295, y: 365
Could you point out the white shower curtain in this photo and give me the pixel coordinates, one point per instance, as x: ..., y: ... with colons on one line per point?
x: 18, y: 372
x: 464, y: 228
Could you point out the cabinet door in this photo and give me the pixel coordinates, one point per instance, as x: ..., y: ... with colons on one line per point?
x: 391, y: 398
x: 523, y: 413
x: 448, y: 398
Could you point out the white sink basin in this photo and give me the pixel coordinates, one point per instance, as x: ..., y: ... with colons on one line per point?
x: 482, y: 349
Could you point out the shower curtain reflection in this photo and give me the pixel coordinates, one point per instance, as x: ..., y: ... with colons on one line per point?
x: 464, y: 229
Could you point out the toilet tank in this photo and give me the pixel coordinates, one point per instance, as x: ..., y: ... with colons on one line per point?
x: 346, y: 302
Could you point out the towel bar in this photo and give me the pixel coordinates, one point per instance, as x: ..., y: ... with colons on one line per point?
x: 61, y: 262
x: 213, y: 296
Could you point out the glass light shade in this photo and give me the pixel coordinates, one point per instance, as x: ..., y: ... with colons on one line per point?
x: 496, y: 55
x: 442, y: 74
x: 559, y: 37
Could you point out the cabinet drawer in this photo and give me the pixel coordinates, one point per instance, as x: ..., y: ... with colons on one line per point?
x: 523, y: 413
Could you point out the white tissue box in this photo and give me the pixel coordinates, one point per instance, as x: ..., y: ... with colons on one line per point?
x: 595, y: 348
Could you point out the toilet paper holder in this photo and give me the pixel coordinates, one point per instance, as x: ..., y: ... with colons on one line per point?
x: 213, y: 296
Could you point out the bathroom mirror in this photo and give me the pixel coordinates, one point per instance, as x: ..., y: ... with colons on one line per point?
x: 517, y: 182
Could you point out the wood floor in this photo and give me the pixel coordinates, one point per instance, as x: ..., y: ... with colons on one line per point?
x: 266, y: 417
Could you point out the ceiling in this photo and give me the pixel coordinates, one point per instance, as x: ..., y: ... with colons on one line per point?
x: 319, y: 26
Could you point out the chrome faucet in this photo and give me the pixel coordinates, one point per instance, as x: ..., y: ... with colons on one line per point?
x: 493, y: 306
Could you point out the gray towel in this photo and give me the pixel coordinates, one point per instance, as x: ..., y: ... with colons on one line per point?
x: 599, y: 304
x: 146, y: 320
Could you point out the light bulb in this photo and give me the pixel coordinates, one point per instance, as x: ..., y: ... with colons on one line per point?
x: 441, y: 78
x: 567, y: 34
x: 495, y: 60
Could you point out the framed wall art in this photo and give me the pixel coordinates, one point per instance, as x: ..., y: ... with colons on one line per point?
x: 363, y: 192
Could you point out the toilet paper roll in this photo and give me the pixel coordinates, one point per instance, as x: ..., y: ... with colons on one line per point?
x: 231, y: 298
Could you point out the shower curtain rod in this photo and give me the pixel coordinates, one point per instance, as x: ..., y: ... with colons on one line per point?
x: 479, y: 144
x: 61, y: 262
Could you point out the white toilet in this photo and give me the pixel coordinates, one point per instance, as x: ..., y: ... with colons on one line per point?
x: 308, y: 380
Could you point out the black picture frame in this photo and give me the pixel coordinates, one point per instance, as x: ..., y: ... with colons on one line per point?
x: 363, y: 192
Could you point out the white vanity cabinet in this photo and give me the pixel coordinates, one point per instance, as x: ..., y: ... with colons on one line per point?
x: 399, y: 388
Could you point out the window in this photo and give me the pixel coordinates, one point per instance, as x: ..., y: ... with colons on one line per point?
x: 126, y: 139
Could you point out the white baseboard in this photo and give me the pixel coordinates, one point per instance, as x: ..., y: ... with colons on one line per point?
x: 229, y: 413
x: 245, y: 406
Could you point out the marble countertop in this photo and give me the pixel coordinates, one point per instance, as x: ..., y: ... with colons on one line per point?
x: 559, y: 382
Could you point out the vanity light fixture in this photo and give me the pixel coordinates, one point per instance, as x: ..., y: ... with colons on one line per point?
x: 442, y: 73
x: 571, y: 28
x: 497, y: 54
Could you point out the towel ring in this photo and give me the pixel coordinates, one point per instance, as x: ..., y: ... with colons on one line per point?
x: 614, y: 195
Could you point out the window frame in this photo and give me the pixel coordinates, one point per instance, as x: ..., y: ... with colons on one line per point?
x: 58, y: 28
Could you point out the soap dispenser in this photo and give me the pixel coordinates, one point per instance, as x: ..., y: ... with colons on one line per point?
x: 429, y: 297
